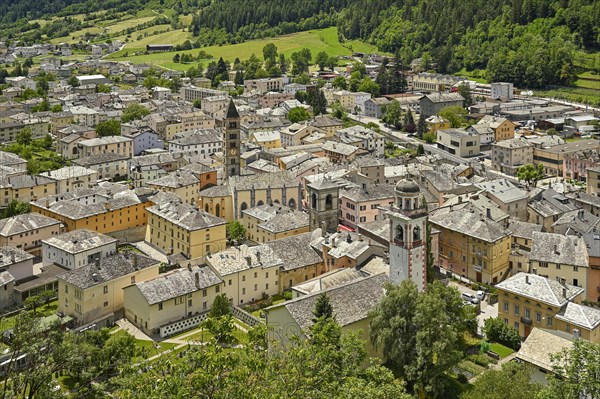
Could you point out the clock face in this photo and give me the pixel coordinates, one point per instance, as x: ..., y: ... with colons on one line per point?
x: 233, y: 151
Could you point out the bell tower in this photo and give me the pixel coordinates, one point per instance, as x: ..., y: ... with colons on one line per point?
x: 323, y: 205
x: 408, y: 244
x: 232, y: 141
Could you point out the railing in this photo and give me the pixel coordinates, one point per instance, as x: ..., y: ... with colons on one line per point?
x: 245, y: 317
x: 526, y: 320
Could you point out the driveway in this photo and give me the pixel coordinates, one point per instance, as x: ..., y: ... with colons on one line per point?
x: 486, y: 310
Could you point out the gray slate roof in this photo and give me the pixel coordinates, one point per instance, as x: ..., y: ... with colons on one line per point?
x: 177, y: 283
x: 540, y: 289
x: 580, y: 315
x: 578, y: 221
x: 351, y: 302
x: 557, y: 248
x: 523, y: 229
x: 185, y: 215
x: 26, y: 222
x: 79, y: 240
x: 295, y: 251
x: 234, y: 260
x: 11, y: 255
x: 113, y: 267
x: 470, y: 223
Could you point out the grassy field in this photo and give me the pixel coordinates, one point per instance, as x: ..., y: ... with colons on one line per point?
x: 315, y: 40
x: 109, y: 27
x: 501, y: 350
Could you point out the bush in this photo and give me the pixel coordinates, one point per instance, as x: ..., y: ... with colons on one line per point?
x: 496, y: 330
x: 474, y: 287
x: 287, y: 295
x: 462, y: 378
x: 480, y: 359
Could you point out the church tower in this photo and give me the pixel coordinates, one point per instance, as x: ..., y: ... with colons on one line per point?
x: 323, y: 205
x: 232, y: 141
x: 408, y: 244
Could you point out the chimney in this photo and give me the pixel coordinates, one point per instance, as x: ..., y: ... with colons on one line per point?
x: 97, y: 261
x: 197, y: 280
x: 348, y: 239
x: 12, y: 258
x: 189, y: 266
x: 323, y: 229
x: 527, y: 279
x: 107, y: 206
x: 95, y: 276
x: 564, y: 292
x: 360, y: 237
x: 249, y: 261
x: 364, y: 186
x: 488, y: 213
x: 459, y: 199
x: 333, y: 245
x: 556, y: 249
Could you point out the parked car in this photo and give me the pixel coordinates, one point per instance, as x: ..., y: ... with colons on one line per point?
x: 470, y: 298
x: 480, y: 295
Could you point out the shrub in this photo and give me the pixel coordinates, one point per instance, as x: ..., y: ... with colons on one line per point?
x: 496, y: 330
x: 462, y: 378
x: 484, y: 346
x: 480, y: 359
x: 287, y: 295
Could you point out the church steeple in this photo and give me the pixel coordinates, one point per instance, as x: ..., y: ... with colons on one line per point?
x: 232, y: 141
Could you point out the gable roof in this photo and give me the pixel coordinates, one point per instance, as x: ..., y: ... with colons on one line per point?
x: 540, y: 289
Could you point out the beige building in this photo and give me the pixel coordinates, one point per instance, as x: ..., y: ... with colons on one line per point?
x: 72, y: 178
x: 107, y: 166
x: 104, y: 145
x: 248, y: 273
x: 27, y: 231
x: 188, y: 121
x: 17, y: 262
x: 172, y: 302
x: 181, y: 183
x: 561, y: 258
x: 552, y: 157
x: 94, y: 293
x: 271, y: 222
x: 458, y: 142
x: 181, y: 228
x: 25, y: 188
x: 510, y: 155
x: 510, y: 198
x: 593, y: 181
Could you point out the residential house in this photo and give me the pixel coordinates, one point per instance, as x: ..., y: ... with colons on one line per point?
x: 72, y: 178
x: 576, y: 164
x: 436, y: 122
x: 94, y: 293
x: 17, y: 262
x: 592, y: 243
x: 182, y: 183
x: 77, y: 248
x: 509, y: 155
x: 576, y: 222
x: 361, y: 204
x: 341, y: 153
x: 171, y: 302
x: 472, y: 245
x: 547, y: 206
x: 508, y: 196
x: 374, y: 107
x: 104, y: 145
x: 143, y: 139
x: 593, y: 180
x: 107, y: 166
x: 267, y: 222
x: 181, y: 228
x: 25, y: 188
x: 522, y: 239
x: 552, y: 157
x: 459, y: 142
x: 432, y: 104
x: 27, y: 231
x: 248, y: 273
x: 363, y: 138
x: 203, y: 142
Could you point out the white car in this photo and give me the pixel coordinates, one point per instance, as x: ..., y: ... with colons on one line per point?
x: 480, y: 295
x: 470, y: 298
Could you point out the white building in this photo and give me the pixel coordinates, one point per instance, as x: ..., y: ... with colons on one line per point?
x: 72, y: 178
x: 502, y: 90
x: 77, y: 248
x: 204, y: 142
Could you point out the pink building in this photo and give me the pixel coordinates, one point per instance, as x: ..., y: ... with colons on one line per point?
x: 360, y: 204
x: 576, y: 163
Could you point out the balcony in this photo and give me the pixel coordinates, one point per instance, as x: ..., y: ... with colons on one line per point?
x: 526, y: 321
x: 477, y: 268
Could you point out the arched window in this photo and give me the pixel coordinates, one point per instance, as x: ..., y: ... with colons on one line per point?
x: 328, y: 202
x: 232, y: 171
x: 292, y: 203
x: 399, y: 233
x: 276, y: 202
x: 243, y: 206
x: 313, y: 202
x: 260, y: 203
x: 416, y: 233
x: 218, y: 210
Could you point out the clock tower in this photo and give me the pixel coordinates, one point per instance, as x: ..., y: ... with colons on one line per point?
x: 232, y: 141
x: 408, y: 243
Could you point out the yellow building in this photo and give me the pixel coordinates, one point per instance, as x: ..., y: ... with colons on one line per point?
x: 472, y: 245
x: 181, y: 228
x: 188, y: 121
x: 503, y: 128
x: 105, y: 145
x: 243, y: 192
x: 95, y: 292
x: 27, y: 231
x: 172, y: 302
x: 266, y: 139
x: 112, y: 208
x: 183, y: 184
x: 561, y: 258
x: 526, y: 301
x: 248, y: 273
x: 25, y: 188
x: 435, y: 123
x: 271, y: 222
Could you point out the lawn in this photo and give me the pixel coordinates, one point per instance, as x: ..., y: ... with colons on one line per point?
x: 315, y: 40
x: 575, y: 94
x: 588, y: 84
x: 501, y: 350
x: 109, y: 27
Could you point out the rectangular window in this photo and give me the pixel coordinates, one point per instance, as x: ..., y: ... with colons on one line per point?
x: 506, y: 306
x: 538, y: 317
x: 217, y: 289
x: 106, y: 289
x: 549, y: 321
x: 516, y: 325
x: 243, y: 291
x: 255, y: 287
x: 516, y: 310
x: 204, y: 305
x: 527, y: 313
x: 179, y: 301
x: 105, y: 304
x: 160, y: 306
x: 204, y: 292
